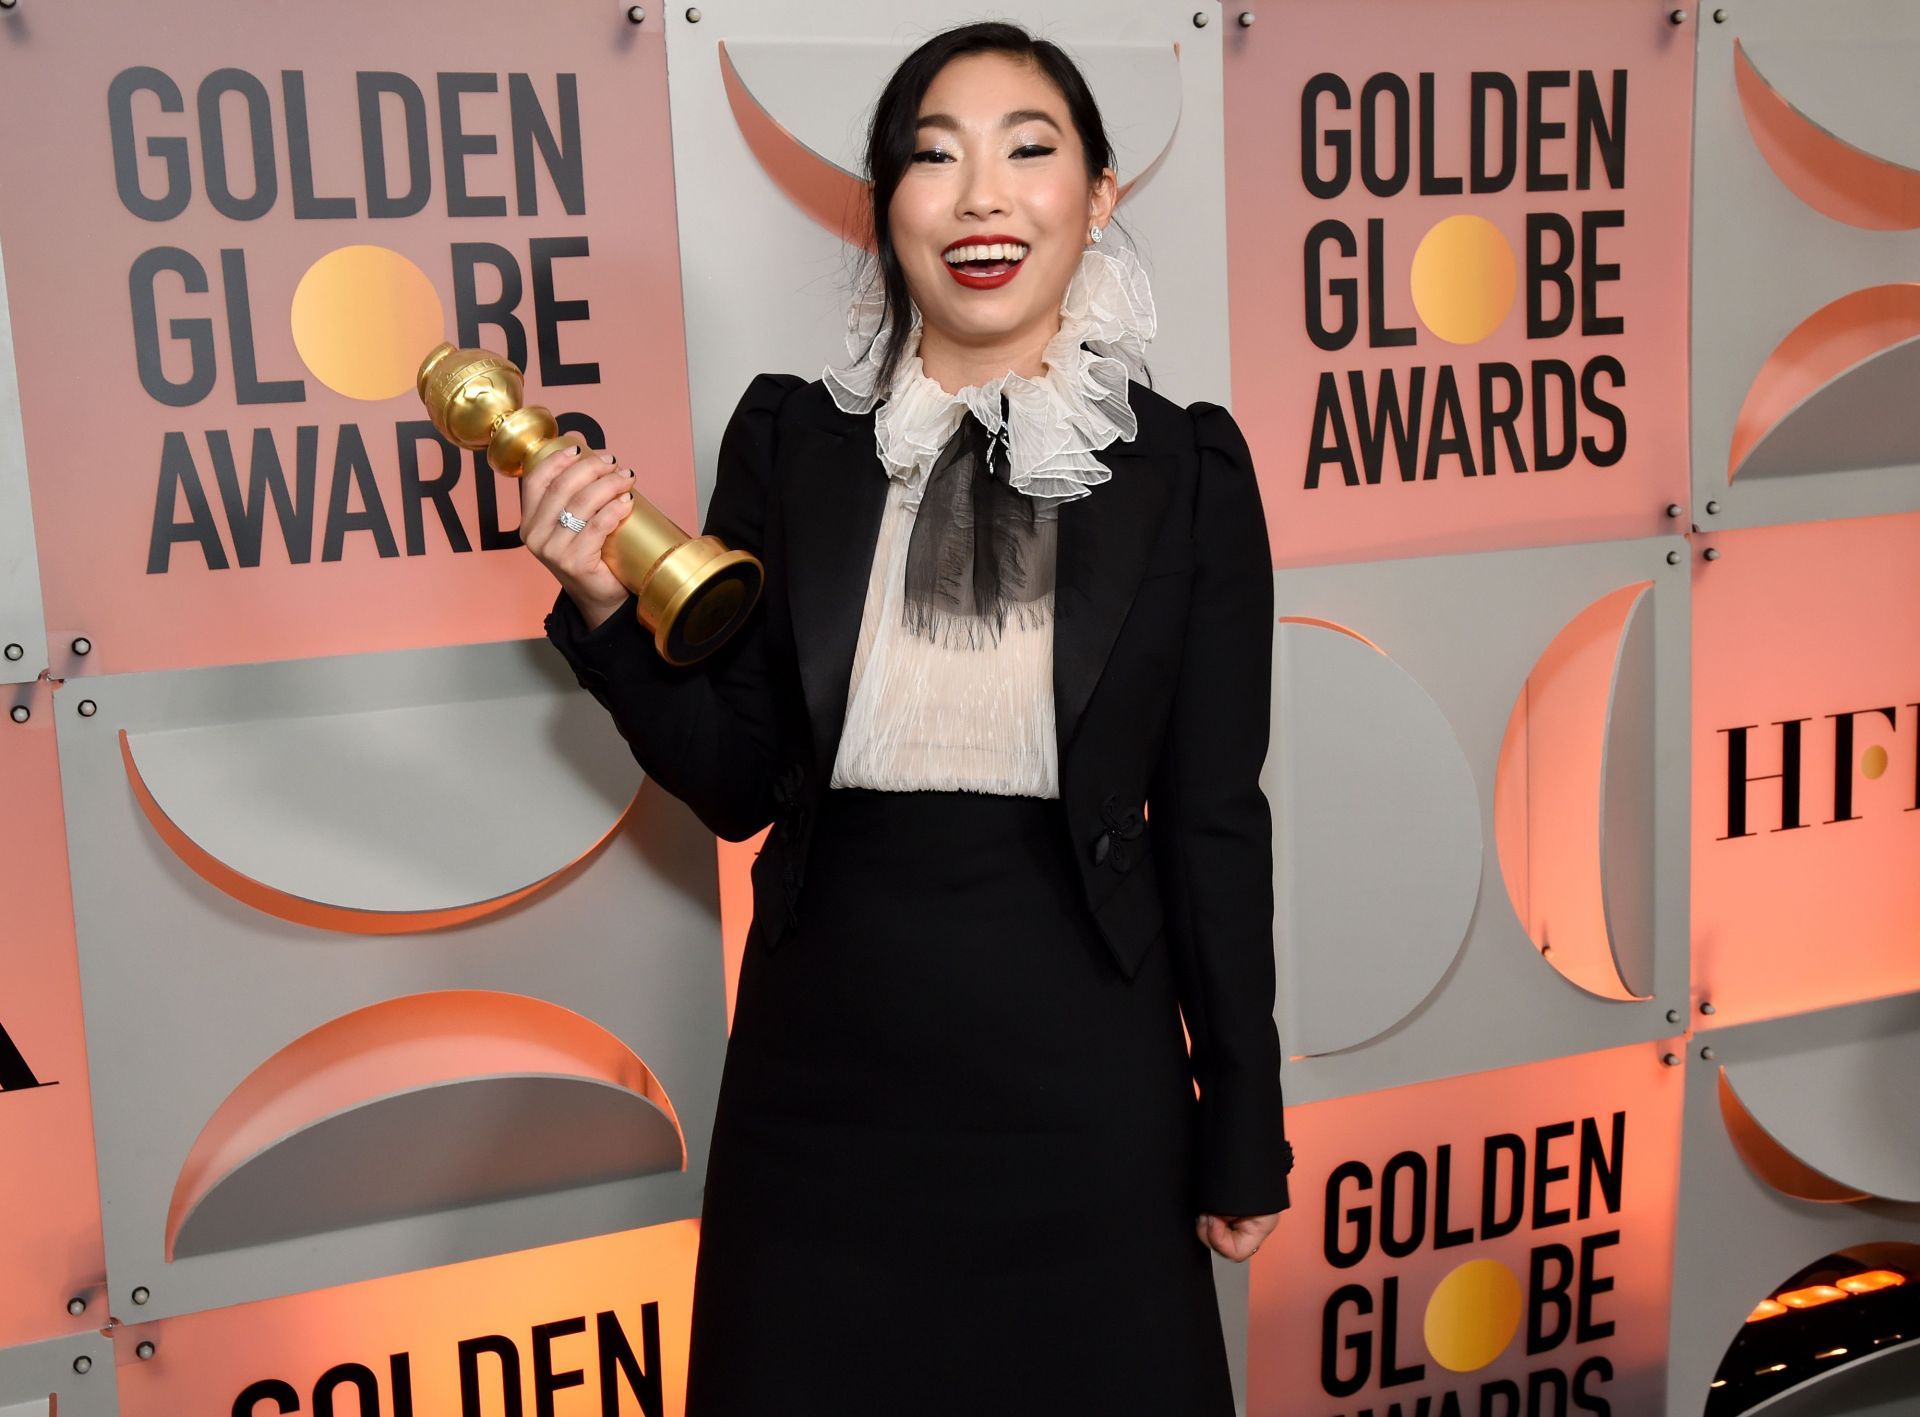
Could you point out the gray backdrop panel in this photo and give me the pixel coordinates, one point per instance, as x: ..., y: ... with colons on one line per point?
x: 1763, y: 260
x: 32, y: 1372
x: 1737, y: 1238
x: 1382, y: 860
x: 21, y: 621
x: 187, y: 990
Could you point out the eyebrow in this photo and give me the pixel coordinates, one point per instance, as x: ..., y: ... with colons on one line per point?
x: 1019, y: 115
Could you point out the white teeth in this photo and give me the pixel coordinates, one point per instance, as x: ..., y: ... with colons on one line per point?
x: 998, y: 251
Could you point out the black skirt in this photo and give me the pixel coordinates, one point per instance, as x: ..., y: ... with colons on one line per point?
x: 951, y: 1164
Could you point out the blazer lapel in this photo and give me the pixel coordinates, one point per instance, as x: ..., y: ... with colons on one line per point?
x: 1104, y: 540
x: 837, y: 492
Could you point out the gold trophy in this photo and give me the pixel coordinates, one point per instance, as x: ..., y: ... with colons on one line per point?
x: 694, y: 592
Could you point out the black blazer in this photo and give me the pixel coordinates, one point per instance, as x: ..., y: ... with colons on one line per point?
x: 1163, y: 638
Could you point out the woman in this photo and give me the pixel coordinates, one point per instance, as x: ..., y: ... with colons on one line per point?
x: 1013, y: 598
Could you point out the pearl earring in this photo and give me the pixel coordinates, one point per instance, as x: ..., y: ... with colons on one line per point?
x: 1096, y: 234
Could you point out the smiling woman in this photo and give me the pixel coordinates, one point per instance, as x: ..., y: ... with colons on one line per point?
x: 958, y: 1164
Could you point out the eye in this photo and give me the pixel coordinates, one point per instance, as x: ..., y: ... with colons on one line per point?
x: 1037, y: 149
x: 929, y: 155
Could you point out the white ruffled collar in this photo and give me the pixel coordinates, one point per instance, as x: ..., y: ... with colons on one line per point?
x: 1055, y: 422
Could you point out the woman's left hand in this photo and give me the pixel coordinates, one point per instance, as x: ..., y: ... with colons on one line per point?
x: 1235, y: 1236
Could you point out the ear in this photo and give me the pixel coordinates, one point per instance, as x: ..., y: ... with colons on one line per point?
x: 1105, y: 195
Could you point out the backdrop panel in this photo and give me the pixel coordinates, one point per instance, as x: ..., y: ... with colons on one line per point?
x: 769, y: 121
x: 1459, y: 308
x: 1758, y: 1206
x: 1806, y: 249
x: 1494, y: 1243
x: 23, y: 637
x: 293, y: 1100
x: 1806, y: 767
x: 272, y: 221
x: 50, y: 1248
x: 1458, y: 884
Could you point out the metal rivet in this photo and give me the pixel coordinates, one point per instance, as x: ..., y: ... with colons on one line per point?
x: 82, y: 645
x: 21, y: 713
x: 1679, y: 17
x: 1706, y: 1051
x: 693, y: 14
x: 76, y: 1305
x: 15, y: 651
x: 1673, y: 558
x: 1673, y: 1015
x: 1719, y: 17
x: 83, y: 1364
x: 1199, y: 19
x: 1706, y: 1007
x: 1674, y: 509
x: 140, y: 1295
x: 144, y: 1350
x: 637, y: 13
x: 1713, y: 509
x: 88, y: 708
x: 1712, y: 553
x: 1672, y: 1060
x: 1246, y: 19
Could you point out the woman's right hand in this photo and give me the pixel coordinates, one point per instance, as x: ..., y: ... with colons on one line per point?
x: 589, y: 485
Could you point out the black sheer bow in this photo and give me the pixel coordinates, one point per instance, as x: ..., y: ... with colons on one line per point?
x: 977, y: 553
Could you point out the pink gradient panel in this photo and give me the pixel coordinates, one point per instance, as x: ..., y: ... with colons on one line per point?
x: 406, y: 1334
x: 100, y: 438
x: 50, y: 1245
x: 1788, y: 918
x: 1614, y: 484
x: 1384, y: 1284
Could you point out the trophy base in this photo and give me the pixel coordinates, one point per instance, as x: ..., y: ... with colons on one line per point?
x: 696, y: 596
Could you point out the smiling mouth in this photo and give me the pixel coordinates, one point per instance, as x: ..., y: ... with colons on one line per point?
x: 985, y: 258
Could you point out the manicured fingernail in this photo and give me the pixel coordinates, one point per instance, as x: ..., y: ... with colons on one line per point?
x: 626, y: 496
x: 629, y: 472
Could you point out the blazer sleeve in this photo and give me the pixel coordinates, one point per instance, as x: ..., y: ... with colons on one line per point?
x: 707, y: 732
x: 1212, y: 832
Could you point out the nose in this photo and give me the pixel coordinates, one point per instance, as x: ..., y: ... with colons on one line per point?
x: 980, y: 191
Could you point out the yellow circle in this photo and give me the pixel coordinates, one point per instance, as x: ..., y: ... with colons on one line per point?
x: 1473, y: 1315
x: 363, y: 317
x: 1873, y: 762
x: 1464, y: 277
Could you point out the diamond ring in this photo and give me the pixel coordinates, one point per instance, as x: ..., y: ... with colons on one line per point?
x: 570, y: 521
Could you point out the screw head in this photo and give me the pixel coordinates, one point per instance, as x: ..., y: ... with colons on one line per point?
x: 1199, y: 19
x: 1673, y: 1015
x: 1673, y: 558
x: 16, y: 651
x: 21, y: 713
x: 1713, y: 509
x: 637, y: 13
x: 1706, y: 1007
x: 693, y: 14
x: 1672, y: 1060
x: 1706, y: 1051
x: 83, y: 1364
x: 141, y: 1295
x: 88, y: 708
x: 1673, y: 509
x: 82, y: 645
x: 1719, y: 17
x: 144, y: 1350
x: 1678, y: 17
x: 1712, y: 553
x: 76, y: 1305
x: 1247, y: 18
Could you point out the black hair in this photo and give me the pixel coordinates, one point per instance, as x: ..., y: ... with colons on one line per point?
x: 893, y: 137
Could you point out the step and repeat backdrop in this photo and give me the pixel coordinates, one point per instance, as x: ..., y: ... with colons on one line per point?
x: 363, y: 1006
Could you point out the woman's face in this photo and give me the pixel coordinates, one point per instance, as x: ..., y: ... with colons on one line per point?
x: 997, y: 162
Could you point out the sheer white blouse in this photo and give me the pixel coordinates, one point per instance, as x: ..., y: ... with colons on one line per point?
x: 926, y: 715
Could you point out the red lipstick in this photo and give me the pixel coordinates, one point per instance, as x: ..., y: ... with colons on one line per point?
x: 985, y: 276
